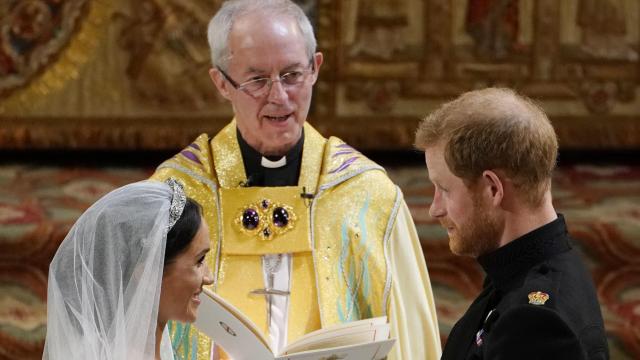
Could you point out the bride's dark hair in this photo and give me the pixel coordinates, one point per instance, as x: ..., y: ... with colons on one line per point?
x: 184, y: 230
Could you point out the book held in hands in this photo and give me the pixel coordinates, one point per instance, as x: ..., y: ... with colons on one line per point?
x: 241, y: 338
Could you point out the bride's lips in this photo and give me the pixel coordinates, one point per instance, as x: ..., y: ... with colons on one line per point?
x: 196, y: 297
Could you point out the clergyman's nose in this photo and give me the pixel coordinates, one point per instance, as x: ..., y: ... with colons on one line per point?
x: 277, y: 93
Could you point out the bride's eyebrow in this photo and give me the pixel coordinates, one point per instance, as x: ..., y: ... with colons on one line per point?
x: 203, y: 252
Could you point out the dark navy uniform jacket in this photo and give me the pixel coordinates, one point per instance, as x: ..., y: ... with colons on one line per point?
x: 503, y: 323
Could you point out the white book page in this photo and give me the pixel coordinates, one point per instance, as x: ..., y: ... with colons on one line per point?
x: 375, y: 351
x: 355, y: 332
x: 230, y: 329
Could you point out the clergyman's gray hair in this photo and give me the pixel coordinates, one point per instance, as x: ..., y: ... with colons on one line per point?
x: 221, y: 24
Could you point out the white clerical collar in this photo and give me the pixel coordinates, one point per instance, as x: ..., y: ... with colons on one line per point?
x: 273, y: 164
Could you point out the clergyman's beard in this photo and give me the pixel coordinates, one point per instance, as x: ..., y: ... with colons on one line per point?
x: 479, y: 236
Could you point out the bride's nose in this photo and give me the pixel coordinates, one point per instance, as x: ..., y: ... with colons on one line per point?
x: 207, y: 279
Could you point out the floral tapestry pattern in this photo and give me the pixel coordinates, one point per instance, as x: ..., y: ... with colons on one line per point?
x: 38, y: 205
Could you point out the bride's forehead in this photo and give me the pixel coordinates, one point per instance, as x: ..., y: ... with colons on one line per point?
x: 200, y: 241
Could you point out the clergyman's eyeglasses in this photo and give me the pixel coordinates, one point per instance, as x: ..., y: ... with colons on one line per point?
x: 260, y: 86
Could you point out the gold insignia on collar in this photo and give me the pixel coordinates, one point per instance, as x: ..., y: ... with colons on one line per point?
x: 538, y: 298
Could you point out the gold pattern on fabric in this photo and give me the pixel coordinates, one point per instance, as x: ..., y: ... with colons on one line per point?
x: 69, y: 61
x: 227, y: 158
x: 304, y: 316
x: 351, y: 216
x: 204, y: 346
x: 241, y: 264
x: 351, y: 211
x: 239, y: 241
x: 238, y: 276
x: 197, y: 156
x: 342, y: 162
x: 312, y: 152
x: 184, y: 337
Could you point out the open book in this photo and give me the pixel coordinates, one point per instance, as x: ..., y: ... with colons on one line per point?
x: 241, y: 338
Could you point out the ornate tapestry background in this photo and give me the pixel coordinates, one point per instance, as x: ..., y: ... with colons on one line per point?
x: 38, y: 205
x: 133, y: 74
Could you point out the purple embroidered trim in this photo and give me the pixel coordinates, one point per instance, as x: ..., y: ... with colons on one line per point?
x: 191, y: 156
x: 343, y: 152
x: 195, y: 146
x: 344, y: 165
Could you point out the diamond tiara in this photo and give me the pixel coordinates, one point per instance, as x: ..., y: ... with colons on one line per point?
x: 178, y: 200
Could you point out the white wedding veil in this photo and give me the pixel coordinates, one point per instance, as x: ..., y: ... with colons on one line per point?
x: 104, y: 281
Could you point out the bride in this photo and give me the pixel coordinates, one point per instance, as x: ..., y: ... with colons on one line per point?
x: 132, y: 262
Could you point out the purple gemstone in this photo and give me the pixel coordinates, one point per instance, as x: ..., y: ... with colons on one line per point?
x: 280, y: 217
x: 266, y: 232
x: 265, y: 203
x: 250, y: 219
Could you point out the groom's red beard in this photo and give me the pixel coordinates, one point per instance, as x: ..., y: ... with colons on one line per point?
x: 479, y: 235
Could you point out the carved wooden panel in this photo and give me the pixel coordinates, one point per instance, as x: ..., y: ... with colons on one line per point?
x: 133, y: 74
